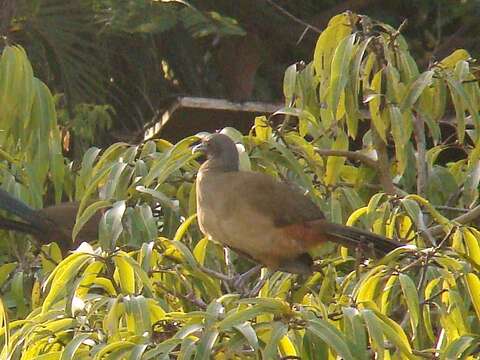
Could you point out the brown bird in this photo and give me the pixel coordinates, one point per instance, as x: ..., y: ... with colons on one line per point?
x: 50, y: 224
x: 271, y: 222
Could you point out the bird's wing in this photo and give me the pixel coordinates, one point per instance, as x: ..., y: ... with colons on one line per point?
x: 283, y: 203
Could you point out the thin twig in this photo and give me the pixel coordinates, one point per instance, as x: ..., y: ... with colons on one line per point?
x: 293, y: 17
x: 450, y: 208
x: 383, y: 166
x: 422, y: 170
x: 425, y: 232
x: 462, y: 219
x: 189, y: 297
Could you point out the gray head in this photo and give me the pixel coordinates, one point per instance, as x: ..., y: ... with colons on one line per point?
x: 221, y: 152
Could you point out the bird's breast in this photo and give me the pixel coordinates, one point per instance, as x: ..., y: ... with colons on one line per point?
x: 226, y: 219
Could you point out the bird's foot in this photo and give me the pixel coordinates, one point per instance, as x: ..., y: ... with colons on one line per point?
x: 259, y: 285
x: 216, y: 274
x: 240, y: 280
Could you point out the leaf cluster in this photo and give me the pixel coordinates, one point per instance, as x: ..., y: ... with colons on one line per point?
x: 360, y: 133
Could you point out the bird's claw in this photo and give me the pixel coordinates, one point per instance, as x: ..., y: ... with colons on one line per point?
x: 238, y: 282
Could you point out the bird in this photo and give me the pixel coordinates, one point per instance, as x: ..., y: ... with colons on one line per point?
x: 268, y: 221
x: 50, y: 224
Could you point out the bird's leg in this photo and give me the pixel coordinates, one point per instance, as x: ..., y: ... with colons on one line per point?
x: 240, y: 279
x: 215, y: 274
x: 363, y: 249
x: 259, y: 285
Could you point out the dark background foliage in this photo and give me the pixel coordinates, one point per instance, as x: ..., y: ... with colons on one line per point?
x: 138, y: 55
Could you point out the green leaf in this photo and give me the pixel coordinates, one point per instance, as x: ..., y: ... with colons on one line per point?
x: 72, y: 347
x: 415, y: 90
x: 395, y: 334
x: 335, y: 163
x: 239, y: 317
x: 332, y: 337
x: 138, y: 314
x: 171, y: 161
x: 355, y: 330
x: 374, y: 202
x: 375, y: 106
x: 65, y: 272
x: 163, y: 199
x: 401, y: 134
x: 164, y: 347
x: 375, y: 331
x: 413, y: 210
x: 114, y: 350
x: 457, y: 349
x: 289, y: 82
x: 248, y: 333
x: 5, y: 271
x: 278, y: 331
x: 206, y: 343
x: 87, y: 215
x: 413, y: 303
x: 111, y: 226
x: 339, y: 71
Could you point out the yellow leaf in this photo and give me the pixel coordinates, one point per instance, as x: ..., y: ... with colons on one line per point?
x: 451, y: 60
x: 182, y: 229
x: 124, y: 275
x: 62, y: 275
x: 36, y: 295
x: 90, y: 274
x: 379, y: 121
x: 200, y: 250
x: 106, y: 284
x: 338, y: 28
x: 262, y: 128
x: 471, y: 237
x: 286, y: 347
x: 352, y: 220
x: 51, y: 256
x: 335, y: 163
x: 473, y: 285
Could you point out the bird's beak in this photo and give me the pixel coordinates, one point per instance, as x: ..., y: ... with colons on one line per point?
x: 201, y: 148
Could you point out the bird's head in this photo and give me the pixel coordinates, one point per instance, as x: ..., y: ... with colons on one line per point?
x: 221, y: 152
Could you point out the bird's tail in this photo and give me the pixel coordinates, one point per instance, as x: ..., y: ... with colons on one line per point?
x: 16, y: 207
x: 353, y: 237
x: 319, y: 231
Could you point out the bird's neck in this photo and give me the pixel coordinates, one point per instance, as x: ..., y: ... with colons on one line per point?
x: 221, y: 164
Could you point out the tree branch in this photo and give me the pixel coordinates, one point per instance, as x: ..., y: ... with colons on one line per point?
x: 422, y: 170
x: 462, y: 219
x: 352, y: 155
x: 383, y: 164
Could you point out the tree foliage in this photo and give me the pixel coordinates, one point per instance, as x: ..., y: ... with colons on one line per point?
x: 361, y: 132
x: 136, y: 55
